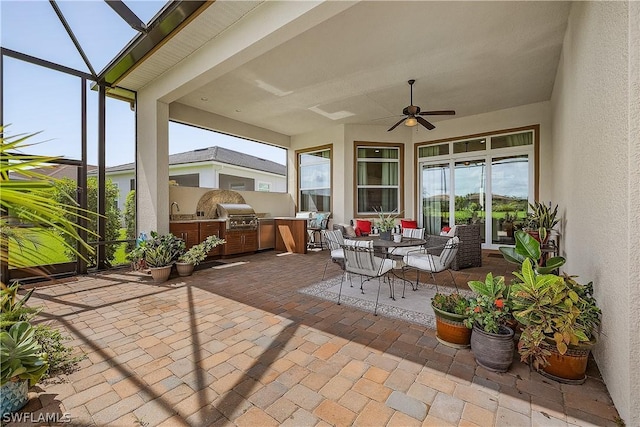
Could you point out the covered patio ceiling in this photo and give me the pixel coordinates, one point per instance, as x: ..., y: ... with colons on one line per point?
x: 353, y: 67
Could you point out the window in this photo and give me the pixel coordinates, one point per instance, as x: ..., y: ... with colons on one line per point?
x: 187, y: 180
x: 487, y: 180
x: 378, y: 176
x: 264, y: 186
x: 314, y: 179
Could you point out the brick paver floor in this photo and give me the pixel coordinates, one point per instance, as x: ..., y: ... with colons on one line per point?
x: 240, y: 346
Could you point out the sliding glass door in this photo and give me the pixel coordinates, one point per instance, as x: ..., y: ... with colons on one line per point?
x: 486, y: 181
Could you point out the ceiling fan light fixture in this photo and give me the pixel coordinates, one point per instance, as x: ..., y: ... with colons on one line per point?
x: 411, y: 121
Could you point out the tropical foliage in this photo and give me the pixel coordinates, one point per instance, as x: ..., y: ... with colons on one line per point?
x: 552, y: 309
x: 452, y: 303
x: 27, y: 200
x: 197, y: 253
x: 65, y: 189
x: 529, y: 248
x: 130, y: 219
x: 490, y: 308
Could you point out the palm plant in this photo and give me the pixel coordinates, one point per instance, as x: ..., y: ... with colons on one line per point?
x: 28, y: 200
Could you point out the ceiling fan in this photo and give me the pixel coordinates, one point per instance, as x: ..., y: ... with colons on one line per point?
x: 414, y: 116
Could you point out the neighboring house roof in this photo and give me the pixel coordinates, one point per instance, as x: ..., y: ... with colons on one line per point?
x: 56, y: 171
x: 216, y: 154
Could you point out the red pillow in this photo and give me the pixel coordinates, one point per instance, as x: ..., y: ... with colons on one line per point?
x: 364, y: 226
x: 358, y: 232
x: 404, y: 223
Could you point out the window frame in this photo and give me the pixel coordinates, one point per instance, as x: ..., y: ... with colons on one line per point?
x: 400, y: 186
x: 315, y: 149
x: 489, y: 154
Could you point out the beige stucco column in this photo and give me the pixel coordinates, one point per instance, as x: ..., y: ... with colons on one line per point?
x: 152, y: 164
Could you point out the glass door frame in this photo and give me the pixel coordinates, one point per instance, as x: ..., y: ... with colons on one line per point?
x: 488, y: 154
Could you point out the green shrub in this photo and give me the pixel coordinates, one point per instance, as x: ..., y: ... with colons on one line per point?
x: 130, y: 219
x: 65, y: 190
x: 60, y: 356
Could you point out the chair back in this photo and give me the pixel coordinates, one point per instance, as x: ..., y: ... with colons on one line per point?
x: 359, y: 258
x: 449, y: 252
x: 333, y: 238
x: 415, y: 233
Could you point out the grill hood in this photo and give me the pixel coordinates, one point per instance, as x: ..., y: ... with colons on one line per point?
x: 226, y: 210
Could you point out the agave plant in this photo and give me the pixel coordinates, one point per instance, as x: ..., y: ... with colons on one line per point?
x: 29, y: 200
x: 12, y: 308
x: 21, y: 356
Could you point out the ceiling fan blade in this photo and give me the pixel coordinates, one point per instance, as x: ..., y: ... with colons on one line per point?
x: 396, y: 125
x: 438, y: 113
x: 425, y: 123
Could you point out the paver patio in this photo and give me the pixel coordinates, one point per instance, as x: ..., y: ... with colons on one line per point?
x: 240, y: 346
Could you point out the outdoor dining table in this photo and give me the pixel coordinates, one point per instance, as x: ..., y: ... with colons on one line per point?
x: 385, y: 248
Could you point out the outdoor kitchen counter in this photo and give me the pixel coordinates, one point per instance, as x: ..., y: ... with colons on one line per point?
x: 291, y: 234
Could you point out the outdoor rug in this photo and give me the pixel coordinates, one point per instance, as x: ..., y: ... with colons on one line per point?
x: 415, y: 307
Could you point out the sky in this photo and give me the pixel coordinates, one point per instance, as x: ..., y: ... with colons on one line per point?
x: 40, y: 100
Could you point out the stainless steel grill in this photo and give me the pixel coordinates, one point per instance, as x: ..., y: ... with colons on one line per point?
x: 238, y: 216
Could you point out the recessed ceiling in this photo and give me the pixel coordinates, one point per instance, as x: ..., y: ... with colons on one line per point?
x: 472, y: 57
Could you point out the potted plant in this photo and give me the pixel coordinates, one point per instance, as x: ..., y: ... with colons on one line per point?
x: 527, y: 247
x: 450, y: 312
x: 21, y: 361
x: 159, y: 253
x: 385, y: 223
x: 541, y: 217
x: 559, y: 318
x: 196, y: 254
x: 491, y: 340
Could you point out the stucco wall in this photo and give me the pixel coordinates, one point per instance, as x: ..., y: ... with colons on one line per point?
x: 593, y: 183
x: 344, y: 136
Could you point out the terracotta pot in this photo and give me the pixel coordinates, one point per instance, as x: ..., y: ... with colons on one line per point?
x: 160, y: 274
x: 493, y: 351
x: 184, y: 268
x: 568, y: 368
x: 450, y: 330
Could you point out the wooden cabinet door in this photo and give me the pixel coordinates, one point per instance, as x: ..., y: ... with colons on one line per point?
x: 187, y: 231
x: 234, y: 243
x: 212, y: 228
x: 250, y: 243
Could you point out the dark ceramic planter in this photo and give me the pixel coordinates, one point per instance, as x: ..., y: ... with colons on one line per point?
x: 493, y: 351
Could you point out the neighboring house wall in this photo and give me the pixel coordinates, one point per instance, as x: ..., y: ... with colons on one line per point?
x: 209, y: 177
x: 597, y: 183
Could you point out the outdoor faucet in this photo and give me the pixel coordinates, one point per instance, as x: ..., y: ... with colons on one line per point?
x: 171, y: 208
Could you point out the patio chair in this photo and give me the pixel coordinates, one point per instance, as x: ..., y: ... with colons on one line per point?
x: 334, y: 241
x: 360, y: 260
x: 415, y: 233
x: 424, y: 259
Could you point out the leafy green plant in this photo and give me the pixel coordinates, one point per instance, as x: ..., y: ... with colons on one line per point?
x: 197, y: 253
x: 66, y: 188
x: 159, y: 251
x: 27, y: 198
x: 13, y: 309
x: 21, y: 356
x: 385, y: 222
x: 542, y: 216
x: 551, y: 309
x: 130, y: 219
x: 529, y: 248
x: 490, y: 308
x: 60, y: 357
x: 452, y: 303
